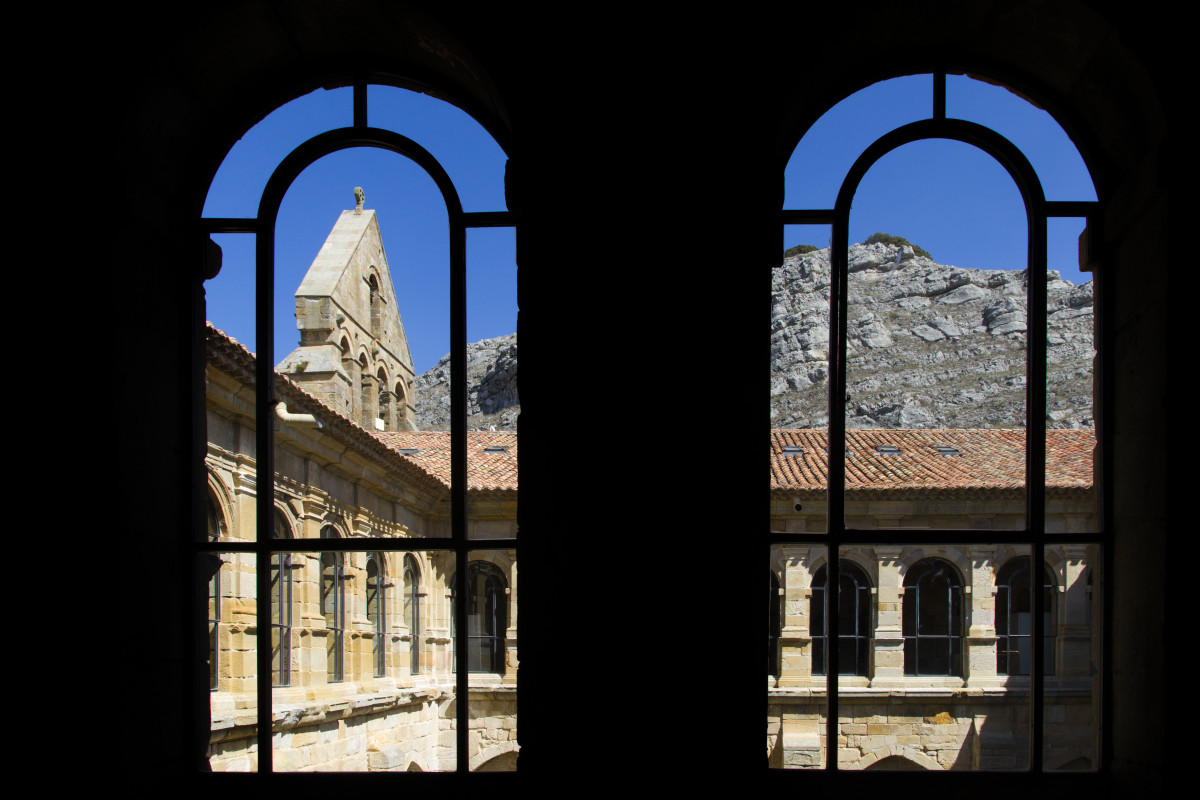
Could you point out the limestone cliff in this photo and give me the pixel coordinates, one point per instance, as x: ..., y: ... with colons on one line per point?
x: 930, y: 346
x: 492, y: 397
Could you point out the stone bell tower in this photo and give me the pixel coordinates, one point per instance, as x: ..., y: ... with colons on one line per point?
x: 353, y: 354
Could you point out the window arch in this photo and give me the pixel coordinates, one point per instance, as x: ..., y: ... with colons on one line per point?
x: 854, y: 637
x: 933, y: 619
x: 333, y: 608
x: 281, y: 606
x: 1014, y: 622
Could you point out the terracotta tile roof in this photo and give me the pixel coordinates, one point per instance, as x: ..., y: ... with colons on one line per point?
x: 486, y: 471
x: 990, y: 460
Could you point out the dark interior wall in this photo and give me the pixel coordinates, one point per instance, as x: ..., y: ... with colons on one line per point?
x: 646, y: 161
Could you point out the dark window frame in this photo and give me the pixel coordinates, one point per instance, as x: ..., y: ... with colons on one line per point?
x: 1009, y: 605
x: 933, y: 587
x: 1035, y: 537
x: 861, y: 639
x: 358, y: 134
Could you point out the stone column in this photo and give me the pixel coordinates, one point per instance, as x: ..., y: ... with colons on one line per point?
x: 510, y: 634
x: 795, y: 638
x: 889, y: 630
x: 1074, y: 628
x: 370, y: 401
x: 980, y: 607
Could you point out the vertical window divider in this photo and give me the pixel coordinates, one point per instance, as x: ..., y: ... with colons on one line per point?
x: 458, y: 474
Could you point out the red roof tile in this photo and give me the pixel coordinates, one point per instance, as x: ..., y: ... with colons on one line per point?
x: 989, y: 460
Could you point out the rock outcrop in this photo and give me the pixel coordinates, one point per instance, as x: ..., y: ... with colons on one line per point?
x: 492, y: 397
x: 929, y: 345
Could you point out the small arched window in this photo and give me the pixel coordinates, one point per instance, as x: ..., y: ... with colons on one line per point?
x: 377, y: 610
x: 412, y: 613
x: 1014, y: 619
x: 487, y: 617
x: 281, y: 607
x: 854, y: 607
x: 376, y: 301
x: 933, y: 619
x: 333, y: 607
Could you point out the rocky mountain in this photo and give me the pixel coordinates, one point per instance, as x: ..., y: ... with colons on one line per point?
x: 492, y: 394
x: 930, y: 345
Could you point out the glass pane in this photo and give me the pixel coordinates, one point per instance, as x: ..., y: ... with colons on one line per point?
x: 1072, y: 691
x: 830, y: 147
x: 494, y: 403
x: 936, y: 354
x: 359, y: 718
x: 491, y: 606
x: 1070, y: 384
x: 239, y: 183
x: 1053, y: 155
x: 934, y: 697
x: 800, y: 381
x: 468, y: 153
x: 796, y: 688
x: 233, y: 645
x: 229, y: 395
x: 361, y: 304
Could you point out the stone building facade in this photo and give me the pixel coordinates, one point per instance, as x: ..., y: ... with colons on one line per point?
x: 362, y: 653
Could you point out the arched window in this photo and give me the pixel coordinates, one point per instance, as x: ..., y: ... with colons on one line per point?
x: 385, y: 401
x: 844, y: 360
x: 376, y: 301
x: 487, y: 617
x: 412, y: 613
x: 376, y: 611
x: 854, y: 606
x: 333, y: 607
x: 281, y: 607
x: 346, y: 364
x: 1014, y: 619
x: 933, y: 619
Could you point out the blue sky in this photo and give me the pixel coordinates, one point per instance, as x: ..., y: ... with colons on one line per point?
x: 945, y: 196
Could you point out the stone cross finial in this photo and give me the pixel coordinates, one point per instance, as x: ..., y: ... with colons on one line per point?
x: 359, y: 198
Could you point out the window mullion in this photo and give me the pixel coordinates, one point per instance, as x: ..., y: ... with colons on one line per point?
x: 458, y: 475
x: 265, y: 469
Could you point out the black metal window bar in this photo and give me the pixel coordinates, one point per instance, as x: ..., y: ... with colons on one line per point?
x: 932, y: 622
x: 377, y: 612
x: 1014, y: 618
x: 854, y: 640
x: 359, y: 134
x: 487, y: 621
x: 837, y: 533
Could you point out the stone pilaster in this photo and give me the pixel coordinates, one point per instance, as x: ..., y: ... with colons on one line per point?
x: 980, y: 608
x: 889, y: 630
x: 795, y: 639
